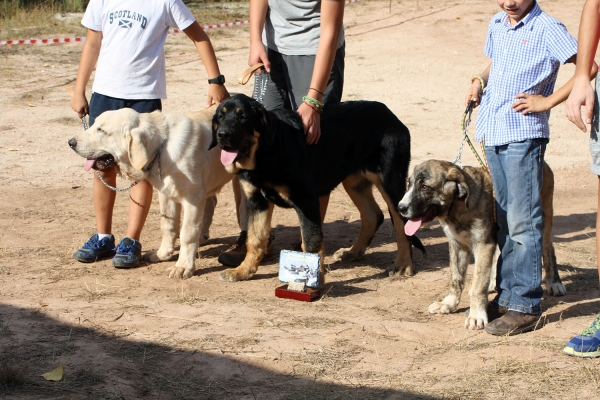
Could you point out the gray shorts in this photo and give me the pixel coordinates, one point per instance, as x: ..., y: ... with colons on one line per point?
x: 290, y: 77
x: 595, y: 132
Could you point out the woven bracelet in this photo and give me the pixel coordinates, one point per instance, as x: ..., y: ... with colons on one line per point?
x: 480, y: 81
x: 318, y: 105
x: 317, y: 90
x: 312, y: 106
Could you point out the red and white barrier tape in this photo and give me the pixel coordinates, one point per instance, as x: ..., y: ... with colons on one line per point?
x: 82, y: 39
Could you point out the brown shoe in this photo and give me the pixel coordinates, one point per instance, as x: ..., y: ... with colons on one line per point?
x: 235, y: 255
x: 493, y: 310
x: 514, y: 323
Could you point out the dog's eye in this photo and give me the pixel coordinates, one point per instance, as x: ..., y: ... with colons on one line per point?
x: 425, y: 188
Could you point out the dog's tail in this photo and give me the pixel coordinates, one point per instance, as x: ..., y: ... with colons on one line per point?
x: 415, y: 241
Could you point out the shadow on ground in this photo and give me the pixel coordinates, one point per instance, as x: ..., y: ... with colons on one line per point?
x: 100, y: 364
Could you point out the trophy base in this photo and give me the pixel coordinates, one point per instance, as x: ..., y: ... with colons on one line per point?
x: 308, y: 296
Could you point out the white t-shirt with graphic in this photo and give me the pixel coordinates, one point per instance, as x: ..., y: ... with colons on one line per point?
x: 131, y: 64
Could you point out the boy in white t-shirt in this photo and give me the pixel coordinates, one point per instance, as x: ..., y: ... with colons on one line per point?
x: 126, y: 39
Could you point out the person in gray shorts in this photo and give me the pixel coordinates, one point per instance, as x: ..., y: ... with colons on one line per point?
x: 587, y: 344
x: 301, y: 44
x: 595, y: 134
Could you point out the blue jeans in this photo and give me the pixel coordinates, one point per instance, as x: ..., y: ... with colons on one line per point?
x: 516, y: 170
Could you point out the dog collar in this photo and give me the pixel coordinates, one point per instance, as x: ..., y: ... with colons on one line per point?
x: 149, y: 166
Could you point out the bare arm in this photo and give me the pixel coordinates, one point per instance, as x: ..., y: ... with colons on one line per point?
x: 332, y: 15
x: 216, y: 93
x: 529, y: 103
x: 258, y: 15
x: 583, y: 93
x: 87, y: 63
x: 475, y: 89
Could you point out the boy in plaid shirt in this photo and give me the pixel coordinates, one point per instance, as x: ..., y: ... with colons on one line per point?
x: 526, y: 47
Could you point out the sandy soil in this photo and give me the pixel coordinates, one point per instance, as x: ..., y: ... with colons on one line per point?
x: 138, y: 334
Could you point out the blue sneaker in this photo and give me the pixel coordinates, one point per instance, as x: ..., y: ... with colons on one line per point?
x: 129, y: 254
x: 587, y: 344
x: 95, y: 249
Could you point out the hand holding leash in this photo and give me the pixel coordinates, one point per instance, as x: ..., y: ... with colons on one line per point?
x: 82, y: 113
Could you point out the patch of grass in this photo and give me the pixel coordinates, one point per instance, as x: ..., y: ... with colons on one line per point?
x: 12, y: 376
x: 186, y: 297
x: 66, y: 121
x: 29, y: 21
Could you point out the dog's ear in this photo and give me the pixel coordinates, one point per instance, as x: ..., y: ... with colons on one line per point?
x: 263, y: 122
x: 215, y: 127
x: 144, y: 140
x: 462, y: 189
x: 136, y: 147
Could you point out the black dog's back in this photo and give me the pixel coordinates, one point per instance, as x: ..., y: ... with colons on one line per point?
x: 358, y: 136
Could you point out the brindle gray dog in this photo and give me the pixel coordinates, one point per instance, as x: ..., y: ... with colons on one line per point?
x: 462, y: 201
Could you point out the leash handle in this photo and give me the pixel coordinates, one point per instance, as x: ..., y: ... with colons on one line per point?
x: 247, y: 74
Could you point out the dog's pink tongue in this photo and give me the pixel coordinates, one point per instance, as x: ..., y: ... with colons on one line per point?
x: 228, y: 157
x: 89, y: 164
x: 411, y: 226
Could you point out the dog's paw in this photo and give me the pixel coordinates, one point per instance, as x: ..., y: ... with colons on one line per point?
x: 233, y: 275
x: 397, y: 272
x: 477, y: 319
x: 441, y: 308
x: 556, y: 288
x: 347, y: 255
x: 180, y: 272
x: 157, y: 256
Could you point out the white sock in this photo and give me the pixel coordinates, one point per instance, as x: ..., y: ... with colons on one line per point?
x: 103, y: 235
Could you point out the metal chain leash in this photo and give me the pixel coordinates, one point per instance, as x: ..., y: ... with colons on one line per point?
x: 261, y: 79
x: 466, y: 120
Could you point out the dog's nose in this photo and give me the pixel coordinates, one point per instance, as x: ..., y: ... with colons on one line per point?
x: 402, y: 208
x: 73, y: 143
x: 224, y: 135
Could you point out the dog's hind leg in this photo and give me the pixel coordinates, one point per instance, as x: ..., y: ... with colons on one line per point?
x: 170, y: 222
x: 460, y: 256
x: 360, y: 190
x: 554, y: 285
x: 188, y: 238
x: 207, y: 217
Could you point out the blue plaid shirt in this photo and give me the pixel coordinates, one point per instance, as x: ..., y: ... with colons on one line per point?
x: 525, y: 59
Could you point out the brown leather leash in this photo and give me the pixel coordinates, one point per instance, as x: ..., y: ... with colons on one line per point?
x: 247, y: 74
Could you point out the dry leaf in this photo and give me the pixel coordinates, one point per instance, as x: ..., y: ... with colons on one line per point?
x: 55, y: 375
x: 43, y: 304
x: 30, y: 105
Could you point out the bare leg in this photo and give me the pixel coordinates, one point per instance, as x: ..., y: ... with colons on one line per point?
x: 140, y: 200
x: 104, y: 200
x: 597, y: 230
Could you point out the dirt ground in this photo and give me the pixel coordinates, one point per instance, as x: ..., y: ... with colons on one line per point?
x: 138, y: 334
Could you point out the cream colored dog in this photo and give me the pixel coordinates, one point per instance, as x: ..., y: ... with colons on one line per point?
x: 170, y: 151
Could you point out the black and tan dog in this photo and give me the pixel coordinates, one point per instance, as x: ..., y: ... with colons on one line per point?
x: 462, y: 201
x: 362, y: 144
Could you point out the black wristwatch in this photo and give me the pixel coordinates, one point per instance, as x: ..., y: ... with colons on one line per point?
x: 219, y: 80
